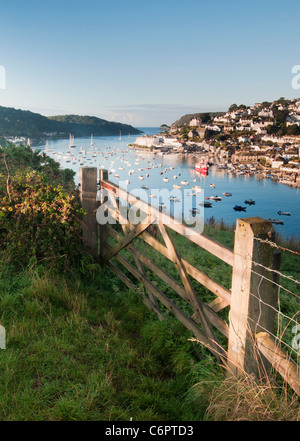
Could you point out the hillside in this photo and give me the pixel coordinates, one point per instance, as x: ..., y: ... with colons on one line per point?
x: 204, y: 116
x: 16, y: 122
x: 85, y: 125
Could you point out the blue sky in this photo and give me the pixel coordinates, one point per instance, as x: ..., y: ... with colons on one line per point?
x: 146, y: 62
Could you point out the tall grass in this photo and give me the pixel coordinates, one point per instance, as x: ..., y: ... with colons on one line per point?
x: 90, y: 350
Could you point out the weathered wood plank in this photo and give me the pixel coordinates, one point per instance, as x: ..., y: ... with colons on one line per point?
x: 196, y: 303
x: 222, y: 252
x: 254, y: 299
x: 198, y: 275
x: 173, y: 284
x: 127, y: 239
x: 190, y: 324
x: 88, y: 199
x: 280, y: 360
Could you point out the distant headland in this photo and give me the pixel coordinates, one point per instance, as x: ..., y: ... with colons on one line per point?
x: 27, y: 124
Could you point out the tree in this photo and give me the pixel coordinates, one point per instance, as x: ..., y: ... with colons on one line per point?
x: 165, y: 127
x: 232, y: 108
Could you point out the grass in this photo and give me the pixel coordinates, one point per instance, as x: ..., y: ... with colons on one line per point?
x: 90, y: 350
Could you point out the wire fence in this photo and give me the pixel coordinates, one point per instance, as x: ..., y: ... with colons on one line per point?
x: 287, y: 324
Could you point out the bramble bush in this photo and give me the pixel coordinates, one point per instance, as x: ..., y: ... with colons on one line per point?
x: 40, y: 214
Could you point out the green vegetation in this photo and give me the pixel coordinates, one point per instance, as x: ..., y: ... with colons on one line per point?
x: 81, y: 346
x: 16, y: 122
x: 205, y: 117
x: 90, y: 350
x: 87, y: 125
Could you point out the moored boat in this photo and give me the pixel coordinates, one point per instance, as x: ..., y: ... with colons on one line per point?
x: 202, y: 167
x: 239, y: 208
x: 206, y: 204
x: 276, y: 221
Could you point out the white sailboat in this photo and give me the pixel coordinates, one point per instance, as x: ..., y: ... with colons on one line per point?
x: 92, y: 143
x: 120, y: 136
x: 71, y: 141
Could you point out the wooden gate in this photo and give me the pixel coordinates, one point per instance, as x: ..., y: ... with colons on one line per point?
x: 251, y: 300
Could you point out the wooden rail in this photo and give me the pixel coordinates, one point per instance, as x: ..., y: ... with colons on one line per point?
x: 252, y: 298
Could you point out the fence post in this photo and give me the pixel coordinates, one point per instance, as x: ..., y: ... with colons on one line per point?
x: 253, y: 297
x: 88, y: 199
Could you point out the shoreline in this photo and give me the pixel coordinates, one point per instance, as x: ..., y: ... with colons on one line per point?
x: 260, y: 172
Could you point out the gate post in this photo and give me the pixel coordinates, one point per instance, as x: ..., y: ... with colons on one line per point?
x: 253, y: 296
x: 88, y: 199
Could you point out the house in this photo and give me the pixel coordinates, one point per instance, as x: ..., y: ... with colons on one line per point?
x: 195, y: 122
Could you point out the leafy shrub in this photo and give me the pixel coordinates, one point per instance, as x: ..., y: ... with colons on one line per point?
x: 40, y: 221
x: 40, y: 212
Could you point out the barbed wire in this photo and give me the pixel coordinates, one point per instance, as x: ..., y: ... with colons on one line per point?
x: 275, y: 245
x: 277, y: 272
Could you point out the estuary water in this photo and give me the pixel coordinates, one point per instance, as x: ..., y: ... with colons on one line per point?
x: 136, y: 168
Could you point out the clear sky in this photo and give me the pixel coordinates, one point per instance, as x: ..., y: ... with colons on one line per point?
x: 146, y: 62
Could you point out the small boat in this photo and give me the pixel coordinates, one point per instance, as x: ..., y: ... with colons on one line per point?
x: 175, y: 177
x: 202, y: 167
x: 276, y: 221
x: 145, y: 187
x: 249, y: 202
x: 185, y: 182
x: 206, y: 204
x: 239, y: 208
x: 141, y: 177
x: 216, y: 198
x: 212, y: 185
x: 177, y: 186
x: 227, y: 194
x: 166, y: 179
x: 284, y: 213
x: 197, y: 189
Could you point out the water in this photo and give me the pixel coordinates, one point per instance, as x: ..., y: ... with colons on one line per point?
x: 112, y: 153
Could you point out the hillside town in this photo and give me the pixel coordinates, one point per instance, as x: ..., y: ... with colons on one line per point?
x: 263, y: 139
